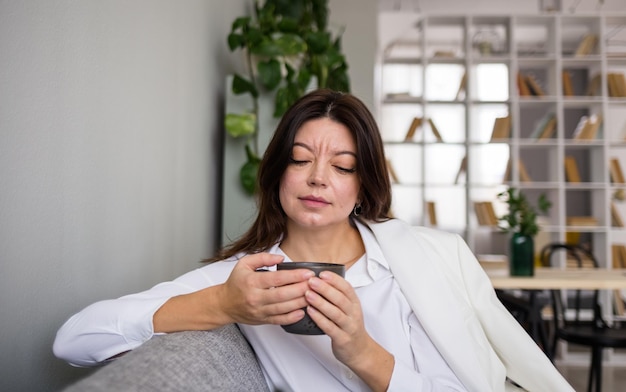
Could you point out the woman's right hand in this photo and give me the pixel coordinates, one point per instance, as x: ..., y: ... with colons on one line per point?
x: 248, y: 297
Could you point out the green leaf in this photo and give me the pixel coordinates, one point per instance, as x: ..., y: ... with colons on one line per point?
x: 288, y: 25
x: 235, y: 41
x: 279, y: 45
x: 318, y: 41
x: 241, y: 86
x: 290, y: 8
x: 254, y: 36
x: 241, y: 23
x: 240, y: 124
x: 320, y: 13
x: 304, y: 78
x: 269, y: 73
x: 281, y: 101
x: 249, y: 172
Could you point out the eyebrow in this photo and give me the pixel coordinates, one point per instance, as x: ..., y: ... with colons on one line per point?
x: 340, y: 152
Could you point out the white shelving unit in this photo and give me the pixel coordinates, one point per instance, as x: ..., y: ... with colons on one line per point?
x: 421, y: 73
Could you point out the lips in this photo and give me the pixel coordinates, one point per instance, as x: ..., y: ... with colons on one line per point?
x: 314, y: 201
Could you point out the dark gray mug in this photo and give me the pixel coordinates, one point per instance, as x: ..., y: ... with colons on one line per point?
x: 306, y: 326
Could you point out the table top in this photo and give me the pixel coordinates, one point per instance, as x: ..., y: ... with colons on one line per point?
x: 556, y: 278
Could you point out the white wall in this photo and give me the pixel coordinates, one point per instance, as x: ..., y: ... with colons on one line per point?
x: 359, y: 42
x: 110, y: 138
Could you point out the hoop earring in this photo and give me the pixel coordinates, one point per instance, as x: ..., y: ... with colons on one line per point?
x: 357, y: 210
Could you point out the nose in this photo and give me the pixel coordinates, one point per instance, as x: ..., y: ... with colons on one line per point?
x: 317, y: 176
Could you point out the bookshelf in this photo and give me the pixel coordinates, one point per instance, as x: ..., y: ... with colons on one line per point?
x: 537, y: 102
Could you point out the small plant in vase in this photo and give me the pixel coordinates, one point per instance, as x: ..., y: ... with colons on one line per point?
x: 521, y: 222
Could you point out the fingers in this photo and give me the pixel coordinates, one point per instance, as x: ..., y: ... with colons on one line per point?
x: 334, y: 303
x: 259, y: 260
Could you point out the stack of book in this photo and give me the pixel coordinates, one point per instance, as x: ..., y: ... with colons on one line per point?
x: 545, y: 128
x: 528, y: 86
x: 582, y: 221
x: 416, y: 124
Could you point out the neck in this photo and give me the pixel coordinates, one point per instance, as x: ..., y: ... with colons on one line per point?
x: 339, y: 245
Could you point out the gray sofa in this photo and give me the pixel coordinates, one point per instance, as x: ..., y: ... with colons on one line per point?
x: 218, y: 360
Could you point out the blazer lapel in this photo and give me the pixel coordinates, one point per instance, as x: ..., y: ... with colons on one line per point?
x: 414, y: 267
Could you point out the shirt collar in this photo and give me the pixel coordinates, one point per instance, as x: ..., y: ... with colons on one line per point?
x: 373, y: 253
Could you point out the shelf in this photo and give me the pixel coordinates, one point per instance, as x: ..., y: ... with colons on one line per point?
x: 474, y: 80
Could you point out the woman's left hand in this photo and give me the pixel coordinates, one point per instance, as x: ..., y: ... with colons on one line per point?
x: 336, y: 309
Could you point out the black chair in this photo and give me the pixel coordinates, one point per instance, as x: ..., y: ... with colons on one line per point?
x: 595, y: 332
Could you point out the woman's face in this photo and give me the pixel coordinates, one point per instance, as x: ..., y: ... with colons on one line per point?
x: 320, y: 185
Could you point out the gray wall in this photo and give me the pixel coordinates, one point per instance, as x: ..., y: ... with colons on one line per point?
x: 110, y: 139
x: 110, y: 155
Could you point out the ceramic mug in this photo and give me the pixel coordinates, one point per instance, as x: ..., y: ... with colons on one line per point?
x: 306, y: 326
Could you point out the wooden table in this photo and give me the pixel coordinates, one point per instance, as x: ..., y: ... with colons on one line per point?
x: 555, y: 278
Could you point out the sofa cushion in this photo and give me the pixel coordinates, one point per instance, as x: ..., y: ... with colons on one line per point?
x: 217, y: 360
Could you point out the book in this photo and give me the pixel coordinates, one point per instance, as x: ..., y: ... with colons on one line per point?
x: 496, y: 261
x: 492, y: 218
x: 432, y: 213
x: 522, y: 86
x: 415, y: 124
x: 618, y: 255
x: 533, y: 86
x: 545, y: 127
x: 586, y: 45
x: 521, y: 171
x: 501, y: 128
x: 434, y: 130
x: 581, y: 221
x: 568, y: 90
x: 617, y: 84
x: 571, y: 169
x: 485, y: 213
x: 462, y: 170
x: 462, y: 87
x: 593, y: 88
x: 587, y: 127
x: 392, y: 172
x: 615, y: 171
x: 616, y: 218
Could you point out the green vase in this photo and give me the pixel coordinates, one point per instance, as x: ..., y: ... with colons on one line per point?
x: 522, y: 255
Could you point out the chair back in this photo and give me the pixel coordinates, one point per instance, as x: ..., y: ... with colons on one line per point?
x: 580, y: 255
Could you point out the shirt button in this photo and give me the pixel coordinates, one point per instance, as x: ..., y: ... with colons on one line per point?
x: 348, y: 373
x: 374, y: 267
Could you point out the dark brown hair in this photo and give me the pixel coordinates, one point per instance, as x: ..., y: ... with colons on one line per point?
x: 371, y: 166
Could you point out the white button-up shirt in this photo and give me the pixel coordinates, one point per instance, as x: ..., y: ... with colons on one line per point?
x: 290, y: 362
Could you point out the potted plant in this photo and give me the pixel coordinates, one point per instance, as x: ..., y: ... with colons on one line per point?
x: 287, y: 47
x: 521, y: 222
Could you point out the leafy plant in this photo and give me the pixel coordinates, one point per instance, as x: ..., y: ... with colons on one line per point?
x: 286, y: 44
x: 522, y: 216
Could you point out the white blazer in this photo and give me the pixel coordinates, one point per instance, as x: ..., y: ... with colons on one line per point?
x: 455, y: 302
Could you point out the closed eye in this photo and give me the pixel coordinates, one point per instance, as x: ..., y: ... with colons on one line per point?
x: 345, y: 170
x: 297, y: 162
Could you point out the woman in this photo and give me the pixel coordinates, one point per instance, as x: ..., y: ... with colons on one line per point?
x: 414, y: 312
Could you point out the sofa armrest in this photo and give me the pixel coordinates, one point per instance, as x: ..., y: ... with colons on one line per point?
x: 220, y: 360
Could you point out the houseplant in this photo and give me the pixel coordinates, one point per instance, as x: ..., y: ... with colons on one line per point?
x: 521, y: 222
x: 288, y: 46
